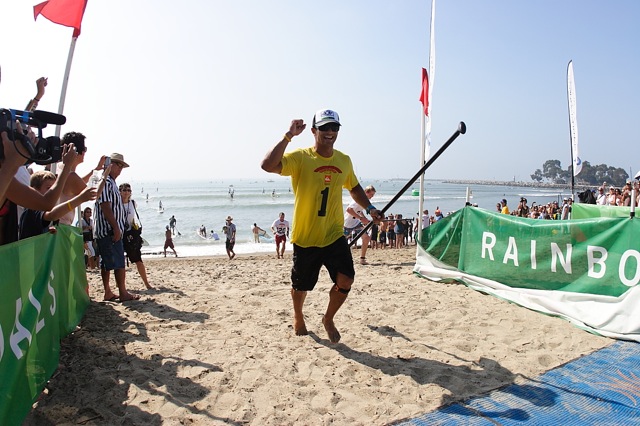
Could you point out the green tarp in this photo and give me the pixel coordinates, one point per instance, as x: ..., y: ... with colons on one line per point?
x: 43, y: 299
x: 585, y: 270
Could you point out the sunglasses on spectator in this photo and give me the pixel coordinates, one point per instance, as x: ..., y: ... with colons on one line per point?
x: 126, y: 190
x: 329, y: 127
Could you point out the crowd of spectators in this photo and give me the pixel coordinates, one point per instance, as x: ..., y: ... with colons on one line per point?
x: 618, y: 196
x: 34, y: 203
x: 562, y: 211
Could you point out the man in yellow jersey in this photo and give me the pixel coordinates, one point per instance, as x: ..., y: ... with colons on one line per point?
x: 318, y: 175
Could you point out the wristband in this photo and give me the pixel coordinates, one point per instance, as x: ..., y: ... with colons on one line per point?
x: 371, y: 207
x: 287, y: 138
x: 69, y: 206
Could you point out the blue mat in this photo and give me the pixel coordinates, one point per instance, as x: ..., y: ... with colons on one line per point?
x: 602, y: 388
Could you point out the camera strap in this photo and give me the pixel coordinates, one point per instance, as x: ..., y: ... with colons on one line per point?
x: 137, y: 215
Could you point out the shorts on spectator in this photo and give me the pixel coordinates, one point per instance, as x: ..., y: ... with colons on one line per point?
x: 111, y: 253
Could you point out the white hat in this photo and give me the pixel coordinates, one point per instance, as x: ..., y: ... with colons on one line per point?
x: 325, y: 116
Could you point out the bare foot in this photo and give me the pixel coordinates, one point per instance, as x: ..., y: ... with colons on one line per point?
x: 300, y: 327
x: 232, y: 256
x: 129, y: 296
x: 332, y: 331
x: 148, y: 286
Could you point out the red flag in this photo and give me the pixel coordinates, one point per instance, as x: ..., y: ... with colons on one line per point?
x: 64, y: 12
x: 424, y: 95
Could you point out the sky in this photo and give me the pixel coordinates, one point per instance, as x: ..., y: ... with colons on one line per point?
x: 203, y: 89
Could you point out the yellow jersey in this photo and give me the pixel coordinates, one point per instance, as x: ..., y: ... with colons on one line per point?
x: 317, y: 186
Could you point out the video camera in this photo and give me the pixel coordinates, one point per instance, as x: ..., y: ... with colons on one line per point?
x: 46, y: 150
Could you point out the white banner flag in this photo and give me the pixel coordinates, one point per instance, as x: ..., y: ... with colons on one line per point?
x: 573, y: 121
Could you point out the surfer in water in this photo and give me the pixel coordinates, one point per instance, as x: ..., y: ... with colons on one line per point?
x: 257, y: 233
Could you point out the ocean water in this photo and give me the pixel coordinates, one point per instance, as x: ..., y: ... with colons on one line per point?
x: 208, y: 203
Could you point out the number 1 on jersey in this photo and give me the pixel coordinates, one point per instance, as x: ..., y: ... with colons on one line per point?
x: 323, y: 205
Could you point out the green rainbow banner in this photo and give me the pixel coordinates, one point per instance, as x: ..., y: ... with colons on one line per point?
x: 585, y: 211
x: 43, y: 298
x: 586, y: 271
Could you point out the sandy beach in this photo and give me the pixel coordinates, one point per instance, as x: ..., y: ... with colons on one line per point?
x: 212, y: 343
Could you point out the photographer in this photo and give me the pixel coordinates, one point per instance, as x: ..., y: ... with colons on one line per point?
x: 76, y: 184
x: 17, y: 189
x: 20, y: 194
x: 523, y: 209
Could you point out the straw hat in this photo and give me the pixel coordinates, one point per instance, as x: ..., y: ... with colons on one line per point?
x: 118, y: 158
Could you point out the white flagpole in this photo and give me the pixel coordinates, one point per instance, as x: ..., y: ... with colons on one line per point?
x: 425, y: 138
x: 576, y: 167
x: 432, y: 73
x: 63, y: 93
x: 422, y: 161
x: 65, y: 80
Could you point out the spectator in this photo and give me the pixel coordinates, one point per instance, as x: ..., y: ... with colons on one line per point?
x: 399, y: 229
x: 76, y: 184
x: 86, y: 223
x: 504, y: 208
x: 355, y: 221
x: 523, y: 209
x: 231, y: 237
x: 425, y: 219
x: 36, y: 222
x: 566, y: 209
x: 168, y: 242
x: 280, y: 228
x: 132, y: 240
x: 26, y: 196
x: 601, y: 198
x: 110, y: 221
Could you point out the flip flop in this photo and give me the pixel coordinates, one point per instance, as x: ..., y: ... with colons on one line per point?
x: 111, y: 299
x: 134, y: 297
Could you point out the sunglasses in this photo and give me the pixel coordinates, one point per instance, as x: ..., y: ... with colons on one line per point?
x: 126, y: 190
x: 329, y: 127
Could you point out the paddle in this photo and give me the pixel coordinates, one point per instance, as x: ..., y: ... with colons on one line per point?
x: 462, y: 129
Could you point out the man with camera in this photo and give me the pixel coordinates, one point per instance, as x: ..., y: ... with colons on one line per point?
x: 20, y: 194
x: 523, y: 209
x: 16, y: 126
x: 110, y: 222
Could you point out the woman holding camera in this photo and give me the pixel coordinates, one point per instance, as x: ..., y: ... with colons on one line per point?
x: 132, y: 238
